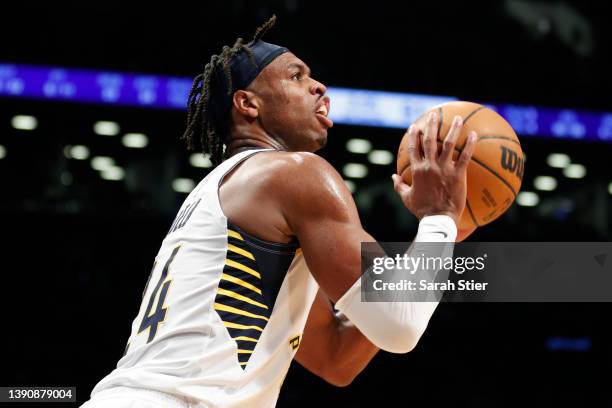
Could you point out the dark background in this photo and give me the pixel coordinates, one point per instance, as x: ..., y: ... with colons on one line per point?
x: 76, y: 255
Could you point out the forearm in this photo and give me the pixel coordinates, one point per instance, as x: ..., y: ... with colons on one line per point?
x: 332, y: 347
x: 338, y: 349
x: 396, y: 325
x: 352, y: 351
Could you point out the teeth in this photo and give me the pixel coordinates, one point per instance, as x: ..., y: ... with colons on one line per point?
x: 322, y: 110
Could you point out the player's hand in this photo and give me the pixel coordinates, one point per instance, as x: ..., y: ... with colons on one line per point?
x: 439, y: 183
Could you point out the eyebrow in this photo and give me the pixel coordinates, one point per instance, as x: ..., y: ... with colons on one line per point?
x: 301, y: 67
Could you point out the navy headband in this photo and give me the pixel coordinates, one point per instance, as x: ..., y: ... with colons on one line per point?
x: 243, y: 72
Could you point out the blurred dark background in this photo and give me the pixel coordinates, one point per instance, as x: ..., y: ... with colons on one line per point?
x: 78, y: 247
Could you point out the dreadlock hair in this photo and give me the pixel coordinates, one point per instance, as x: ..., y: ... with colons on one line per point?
x: 202, y: 126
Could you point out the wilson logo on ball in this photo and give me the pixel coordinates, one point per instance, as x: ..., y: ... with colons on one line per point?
x: 511, y: 162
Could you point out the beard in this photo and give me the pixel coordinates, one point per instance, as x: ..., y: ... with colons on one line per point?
x: 322, y: 141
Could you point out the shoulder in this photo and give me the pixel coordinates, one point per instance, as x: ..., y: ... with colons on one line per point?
x: 296, y: 161
x: 305, y: 183
x: 301, y: 172
x: 278, y: 171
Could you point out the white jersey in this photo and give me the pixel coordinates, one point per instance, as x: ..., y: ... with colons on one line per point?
x: 223, y: 312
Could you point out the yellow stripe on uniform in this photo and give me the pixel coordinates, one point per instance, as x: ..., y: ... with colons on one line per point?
x: 245, y: 338
x: 234, y: 234
x: 232, y: 325
x: 238, y: 296
x: 243, y: 268
x: 245, y: 351
x: 243, y: 364
x: 240, y: 251
x: 225, y: 308
x: 240, y: 282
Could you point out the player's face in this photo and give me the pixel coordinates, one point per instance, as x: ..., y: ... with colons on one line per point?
x: 294, y: 106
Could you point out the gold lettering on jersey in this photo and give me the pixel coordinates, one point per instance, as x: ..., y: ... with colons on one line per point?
x: 183, y: 216
x: 295, y: 342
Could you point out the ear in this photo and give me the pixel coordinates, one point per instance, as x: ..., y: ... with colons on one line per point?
x: 246, y: 103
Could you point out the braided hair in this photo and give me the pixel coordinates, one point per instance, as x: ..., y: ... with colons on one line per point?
x: 203, y: 126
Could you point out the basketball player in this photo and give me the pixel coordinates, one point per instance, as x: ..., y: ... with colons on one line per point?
x: 245, y: 279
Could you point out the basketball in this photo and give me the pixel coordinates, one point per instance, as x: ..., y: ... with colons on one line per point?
x: 495, y: 171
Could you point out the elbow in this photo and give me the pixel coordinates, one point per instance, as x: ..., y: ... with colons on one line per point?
x: 343, y: 382
x: 338, y: 371
x: 339, y: 377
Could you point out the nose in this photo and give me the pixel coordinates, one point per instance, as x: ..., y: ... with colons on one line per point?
x: 317, y: 88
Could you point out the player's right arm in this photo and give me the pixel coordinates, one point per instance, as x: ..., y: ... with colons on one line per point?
x: 320, y: 211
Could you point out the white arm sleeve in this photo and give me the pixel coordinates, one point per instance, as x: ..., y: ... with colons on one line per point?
x: 396, y: 326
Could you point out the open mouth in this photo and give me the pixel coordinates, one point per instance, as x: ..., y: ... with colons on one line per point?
x: 322, y: 110
x: 322, y: 113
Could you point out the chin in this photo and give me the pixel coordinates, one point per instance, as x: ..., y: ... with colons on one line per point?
x: 313, y: 141
x: 321, y: 140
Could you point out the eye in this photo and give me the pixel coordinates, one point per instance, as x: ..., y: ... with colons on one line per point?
x: 297, y: 76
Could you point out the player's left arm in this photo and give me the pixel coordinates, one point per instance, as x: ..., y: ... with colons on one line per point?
x: 331, y: 347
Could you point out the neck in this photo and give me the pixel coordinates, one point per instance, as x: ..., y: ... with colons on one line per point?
x: 242, y: 140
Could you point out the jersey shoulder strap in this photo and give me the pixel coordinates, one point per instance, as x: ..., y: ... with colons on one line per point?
x: 210, y: 185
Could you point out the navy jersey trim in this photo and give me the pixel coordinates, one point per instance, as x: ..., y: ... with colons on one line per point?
x: 253, y: 273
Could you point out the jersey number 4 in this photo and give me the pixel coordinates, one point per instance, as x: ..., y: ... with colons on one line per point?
x: 153, y: 318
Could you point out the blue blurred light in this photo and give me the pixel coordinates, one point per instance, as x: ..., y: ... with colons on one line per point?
x: 357, y: 107
x: 578, y: 344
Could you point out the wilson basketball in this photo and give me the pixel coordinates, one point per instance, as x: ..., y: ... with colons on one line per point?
x: 495, y: 172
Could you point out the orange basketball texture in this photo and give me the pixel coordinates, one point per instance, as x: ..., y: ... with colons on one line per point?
x: 494, y: 174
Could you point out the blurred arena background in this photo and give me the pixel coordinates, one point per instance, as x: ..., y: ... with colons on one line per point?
x: 92, y: 177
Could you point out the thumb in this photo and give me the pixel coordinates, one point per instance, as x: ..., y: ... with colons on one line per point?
x: 399, y: 186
